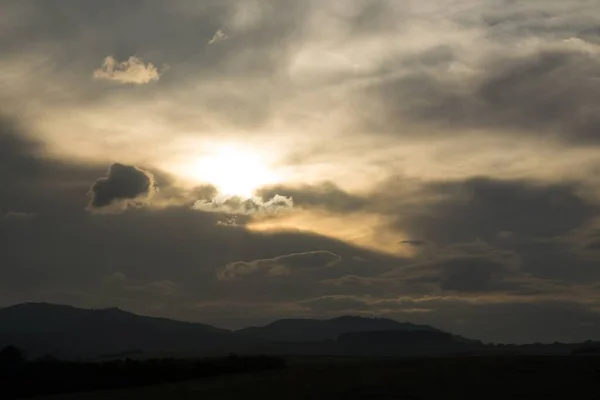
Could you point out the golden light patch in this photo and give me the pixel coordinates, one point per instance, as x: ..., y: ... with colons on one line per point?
x: 363, y: 230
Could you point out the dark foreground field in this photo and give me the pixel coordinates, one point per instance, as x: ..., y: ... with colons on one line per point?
x: 551, y: 377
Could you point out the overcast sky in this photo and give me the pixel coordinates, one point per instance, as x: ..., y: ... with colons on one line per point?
x: 235, y: 162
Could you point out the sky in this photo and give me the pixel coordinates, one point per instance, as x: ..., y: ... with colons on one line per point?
x: 237, y: 162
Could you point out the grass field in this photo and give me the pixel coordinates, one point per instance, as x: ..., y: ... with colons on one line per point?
x: 442, y: 378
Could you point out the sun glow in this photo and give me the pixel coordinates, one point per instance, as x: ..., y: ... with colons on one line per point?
x: 233, y: 171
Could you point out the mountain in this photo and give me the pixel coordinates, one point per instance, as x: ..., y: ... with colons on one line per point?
x: 313, y: 330
x: 70, y: 332
x: 73, y: 333
x: 406, y: 343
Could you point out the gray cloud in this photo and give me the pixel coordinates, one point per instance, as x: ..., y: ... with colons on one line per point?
x: 466, y: 274
x: 509, y: 257
x: 278, y: 266
x: 461, y: 210
x: 336, y: 304
x: 18, y: 215
x: 483, y: 208
x: 32, y: 182
x: 551, y: 90
x: 593, y: 246
x: 123, y: 186
x: 160, y: 288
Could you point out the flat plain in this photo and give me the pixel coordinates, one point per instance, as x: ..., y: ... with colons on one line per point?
x: 509, y: 377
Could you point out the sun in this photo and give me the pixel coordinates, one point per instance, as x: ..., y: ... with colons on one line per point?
x: 233, y: 170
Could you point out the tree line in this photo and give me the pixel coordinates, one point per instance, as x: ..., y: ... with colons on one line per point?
x: 20, y: 377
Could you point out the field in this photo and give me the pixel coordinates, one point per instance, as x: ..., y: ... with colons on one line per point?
x: 481, y: 378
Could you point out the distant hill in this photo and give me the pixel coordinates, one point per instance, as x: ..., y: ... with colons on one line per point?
x: 313, y: 330
x: 407, y: 343
x: 71, y: 332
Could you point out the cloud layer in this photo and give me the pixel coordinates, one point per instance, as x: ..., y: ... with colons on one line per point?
x: 436, y: 161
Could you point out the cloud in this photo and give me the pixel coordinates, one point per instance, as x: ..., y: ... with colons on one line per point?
x: 326, y: 195
x: 156, y: 288
x: 593, y: 246
x: 469, y: 274
x: 124, y: 186
x: 463, y: 211
x: 32, y: 182
x: 245, y: 206
x: 354, y: 95
x: 119, y: 281
x: 11, y: 215
x: 219, y: 36
x: 278, y: 266
x: 540, y: 88
x: 465, y: 268
x: 415, y: 243
x: 132, y: 70
x: 336, y: 304
x: 115, y: 279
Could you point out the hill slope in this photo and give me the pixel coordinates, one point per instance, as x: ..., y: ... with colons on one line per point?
x: 312, y: 330
x: 69, y: 332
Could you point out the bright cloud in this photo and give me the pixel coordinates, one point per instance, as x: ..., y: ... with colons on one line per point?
x: 133, y: 70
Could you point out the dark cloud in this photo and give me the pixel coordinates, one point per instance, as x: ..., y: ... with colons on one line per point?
x: 461, y: 211
x: 481, y: 208
x: 593, y: 246
x: 555, y: 20
x: 532, y: 221
x: 346, y: 305
x: 552, y: 90
x: 468, y: 274
x: 33, y: 183
x: 464, y: 268
x: 537, y: 221
x: 17, y: 155
x: 124, y: 185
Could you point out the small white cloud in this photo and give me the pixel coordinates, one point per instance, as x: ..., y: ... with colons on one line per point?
x: 245, y: 206
x: 219, y: 36
x: 17, y: 215
x: 132, y: 70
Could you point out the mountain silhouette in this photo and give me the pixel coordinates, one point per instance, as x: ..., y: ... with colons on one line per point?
x: 406, y: 343
x: 67, y: 332
x: 310, y: 330
x: 70, y: 332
